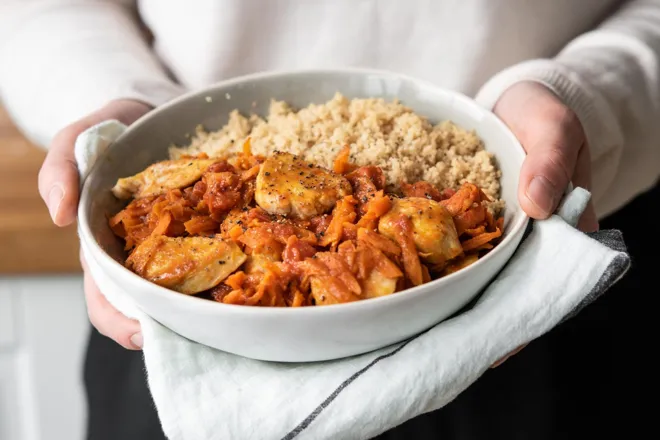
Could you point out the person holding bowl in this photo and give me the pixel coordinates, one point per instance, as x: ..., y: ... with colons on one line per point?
x: 577, y: 82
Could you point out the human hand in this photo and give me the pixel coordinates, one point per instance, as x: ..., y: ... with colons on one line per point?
x: 557, y: 153
x: 58, y: 186
x: 556, y: 146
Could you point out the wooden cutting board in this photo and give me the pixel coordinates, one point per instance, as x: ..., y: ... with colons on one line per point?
x: 29, y: 242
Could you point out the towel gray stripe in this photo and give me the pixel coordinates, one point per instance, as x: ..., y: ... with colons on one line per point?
x: 614, y: 272
x: 310, y: 418
x: 612, y: 238
x: 617, y: 268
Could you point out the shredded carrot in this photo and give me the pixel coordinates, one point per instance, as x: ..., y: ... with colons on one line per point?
x: 247, y: 147
x: 376, y: 207
x: 480, y: 240
x: 344, y: 212
x: 299, y: 299
x: 342, y: 164
x: 404, y: 235
x: 201, y: 225
x: 462, y: 200
x: 476, y: 231
x: 235, y: 233
x: 236, y: 280
x: 163, y: 222
x: 235, y: 297
x: 378, y: 241
x: 251, y: 173
x: 470, y: 219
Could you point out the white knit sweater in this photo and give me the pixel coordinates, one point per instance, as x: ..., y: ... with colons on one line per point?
x: 60, y: 59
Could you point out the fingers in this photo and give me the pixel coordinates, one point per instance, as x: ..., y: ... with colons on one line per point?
x: 106, y: 319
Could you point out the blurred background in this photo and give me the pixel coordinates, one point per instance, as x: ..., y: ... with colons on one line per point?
x: 43, y: 321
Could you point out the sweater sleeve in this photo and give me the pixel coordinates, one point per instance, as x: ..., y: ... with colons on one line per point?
x: 62, y: 59
x: 610, y: 77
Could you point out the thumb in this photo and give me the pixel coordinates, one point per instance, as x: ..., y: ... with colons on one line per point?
x: 547, y: 170
x: 552, y: 136
x: 58, y: 178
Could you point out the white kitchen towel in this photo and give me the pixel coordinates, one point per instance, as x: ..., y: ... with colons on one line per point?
x: 204, y: 394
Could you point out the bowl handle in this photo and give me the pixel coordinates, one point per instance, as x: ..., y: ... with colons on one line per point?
x: 93, y: 142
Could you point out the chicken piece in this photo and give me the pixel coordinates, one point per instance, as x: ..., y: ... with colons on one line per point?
x: 161, y: 177
x: 434, y: 232
x: 287, y: 185
x: 260, y: 259
x: 331, y: 279
x: 325, y: 288
x: 320, y: 291
x: 356, y: 271
x: 378, y: 285
x: 185, y: 264
x: 377, y: 273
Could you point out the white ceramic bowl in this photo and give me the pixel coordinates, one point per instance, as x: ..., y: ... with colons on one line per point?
x: 293, y: 334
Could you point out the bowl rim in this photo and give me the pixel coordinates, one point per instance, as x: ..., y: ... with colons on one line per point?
x: 104, y: 260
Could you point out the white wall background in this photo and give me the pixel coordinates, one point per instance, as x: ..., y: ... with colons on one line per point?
x: 43, y: 337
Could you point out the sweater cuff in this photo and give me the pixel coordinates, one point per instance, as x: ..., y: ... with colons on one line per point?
x: 601, y: 127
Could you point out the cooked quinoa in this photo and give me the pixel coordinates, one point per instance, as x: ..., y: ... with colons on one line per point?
x: 387, y: 134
